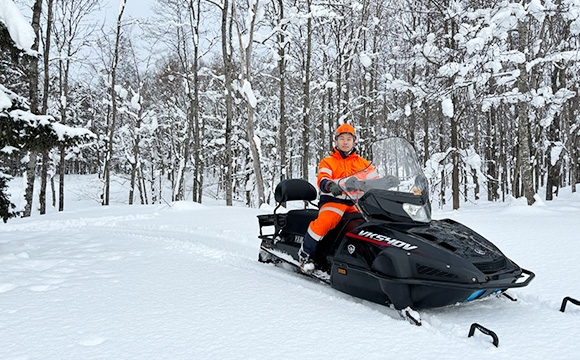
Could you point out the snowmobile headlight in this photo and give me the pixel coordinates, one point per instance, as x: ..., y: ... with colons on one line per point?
x: 417, y: 212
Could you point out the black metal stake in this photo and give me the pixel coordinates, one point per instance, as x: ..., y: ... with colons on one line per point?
x: 565, y: 301
x: 484, y: 330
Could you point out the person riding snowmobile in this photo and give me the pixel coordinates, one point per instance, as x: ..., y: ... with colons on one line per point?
x: 342, y: 162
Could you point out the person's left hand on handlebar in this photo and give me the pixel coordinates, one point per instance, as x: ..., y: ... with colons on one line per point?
x: 392, y: 181
x: 352, y: 184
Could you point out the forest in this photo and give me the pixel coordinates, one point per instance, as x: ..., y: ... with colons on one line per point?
x: 225, y: 98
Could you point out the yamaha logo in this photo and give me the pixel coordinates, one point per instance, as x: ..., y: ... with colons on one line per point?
x: 351, y: 249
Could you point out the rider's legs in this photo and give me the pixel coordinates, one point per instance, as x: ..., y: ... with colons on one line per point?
x: 329, y: 216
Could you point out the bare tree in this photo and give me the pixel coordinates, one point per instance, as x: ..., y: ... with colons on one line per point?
x: 46, y: 63
x: 34, y: 102
x: 189, y: 64
x: 70, y: 37
x: 112, y: 114
x: 135, y: 160
x: 523, y: 116
x: 306, y: 94
x: 227, y: 52
x: 194, y: 23
x: 246, y: 46
x: 282, y: 45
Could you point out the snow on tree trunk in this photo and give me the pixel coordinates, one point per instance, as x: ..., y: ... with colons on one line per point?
x: 246, y: 46
x: 113, y: 110
x: 523, y: 117
x: 45, y: 153
x: 455, y: 161
x: 34, y: 107
x: 306, y: 144
x: 281, y: 43
x: 227, y: 59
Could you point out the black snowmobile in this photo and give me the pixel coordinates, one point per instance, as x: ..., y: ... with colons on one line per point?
x: 391, y: 252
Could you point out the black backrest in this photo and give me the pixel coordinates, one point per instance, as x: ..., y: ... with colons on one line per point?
x: 294, y: 189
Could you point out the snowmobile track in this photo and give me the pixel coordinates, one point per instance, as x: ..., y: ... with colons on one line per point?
x: 316, y: 275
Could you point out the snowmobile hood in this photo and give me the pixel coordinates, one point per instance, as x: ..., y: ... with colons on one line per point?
x: 457, y: 239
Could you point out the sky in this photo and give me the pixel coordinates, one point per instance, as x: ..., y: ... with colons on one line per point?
x: 137, y: 9
x: 133, y: 8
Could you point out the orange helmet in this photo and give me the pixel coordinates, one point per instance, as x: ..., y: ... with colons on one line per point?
x: 345, y: 129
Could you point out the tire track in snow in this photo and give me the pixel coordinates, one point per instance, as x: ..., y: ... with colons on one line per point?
x: 454, y: 321
x: 223, y: 247
x: 217, y: 249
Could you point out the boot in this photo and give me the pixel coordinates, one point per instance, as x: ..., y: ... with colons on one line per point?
x: 306, y: 264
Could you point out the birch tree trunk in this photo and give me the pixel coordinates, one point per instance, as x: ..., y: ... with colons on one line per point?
x: 574, y: 143
x: 306, y: 96
x: 490, y: 157
x: 246, y: 56
x: 136, y: 161
x: 455, y: 158
x: 281, y: 39
x: 425, y: 106
x: 442, y: 149
x: 34, y: 102
x: 227, y: 57
x: 45, y: 157
x: 523, y: 118
x: 195, y: 13
x: 554, y: 131
x: 64, y: 67
x: 113, y: 112
x: 185, y: 62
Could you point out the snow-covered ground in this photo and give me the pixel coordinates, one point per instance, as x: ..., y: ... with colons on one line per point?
x: 181, y: 281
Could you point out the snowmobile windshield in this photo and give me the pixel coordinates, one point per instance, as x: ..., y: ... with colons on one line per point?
x: 393, y: 186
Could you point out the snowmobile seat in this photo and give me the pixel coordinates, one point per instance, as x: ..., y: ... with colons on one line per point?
x: 297, y: 221
x: 294, y: 189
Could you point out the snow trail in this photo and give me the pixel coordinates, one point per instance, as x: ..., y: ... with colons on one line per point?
x: 183, y: 282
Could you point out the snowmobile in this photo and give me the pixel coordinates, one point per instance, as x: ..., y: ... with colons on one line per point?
x: 391, y: 252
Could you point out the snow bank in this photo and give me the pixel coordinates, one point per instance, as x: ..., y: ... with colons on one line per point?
x: 186, y: 206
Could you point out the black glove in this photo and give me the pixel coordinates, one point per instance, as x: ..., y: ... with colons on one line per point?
x: 352, y: 184
x: 334, y: 188
x: 392, y: 181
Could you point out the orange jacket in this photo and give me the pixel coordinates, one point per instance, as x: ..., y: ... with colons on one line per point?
x: 335, y: 167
